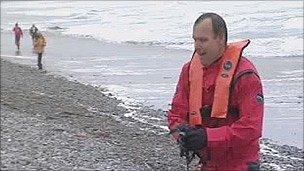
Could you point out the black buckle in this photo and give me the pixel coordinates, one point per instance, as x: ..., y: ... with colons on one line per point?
x: 207, y: 109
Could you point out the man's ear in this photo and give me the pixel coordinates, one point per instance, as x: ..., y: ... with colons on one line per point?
x: 222, y: 41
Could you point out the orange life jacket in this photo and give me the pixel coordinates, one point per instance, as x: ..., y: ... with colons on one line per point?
x: 229, y: 64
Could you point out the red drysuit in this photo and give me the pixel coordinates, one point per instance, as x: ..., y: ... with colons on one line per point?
x: 233, y: 142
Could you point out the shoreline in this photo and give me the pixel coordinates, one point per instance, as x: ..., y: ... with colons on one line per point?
x: 49, y: 122
x: 123, y: 70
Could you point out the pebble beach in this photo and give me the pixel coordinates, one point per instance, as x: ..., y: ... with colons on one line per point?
x: 51, y: 123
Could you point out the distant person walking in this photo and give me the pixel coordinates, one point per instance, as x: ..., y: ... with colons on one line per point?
x: 39, y: 46
x: 18, y: 33
x: 33, y: 32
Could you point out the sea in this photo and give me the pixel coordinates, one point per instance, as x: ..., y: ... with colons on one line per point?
x: 274, y: 27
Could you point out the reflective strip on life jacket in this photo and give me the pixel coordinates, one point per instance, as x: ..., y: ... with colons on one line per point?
x: 222, y: 86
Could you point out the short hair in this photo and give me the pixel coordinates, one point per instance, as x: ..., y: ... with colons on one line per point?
x: 218, y: 24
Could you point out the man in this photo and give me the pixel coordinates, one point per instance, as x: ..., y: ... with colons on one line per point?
x: 217, y: 110
x: 39, y: 45
x: 33, y: 31
x: 18, y: 33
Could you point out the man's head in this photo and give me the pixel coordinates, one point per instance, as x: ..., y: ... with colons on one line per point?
x: 210, y: 37
x: 16, y: 24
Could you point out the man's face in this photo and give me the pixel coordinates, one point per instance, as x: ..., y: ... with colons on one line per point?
x: 206, y: 44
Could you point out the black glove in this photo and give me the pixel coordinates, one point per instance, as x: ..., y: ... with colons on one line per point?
x: 193, y: 139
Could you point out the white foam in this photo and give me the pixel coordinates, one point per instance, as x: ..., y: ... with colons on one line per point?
x: 293, y: 72
x: 151, y: 118
x: 275, y: 166
x: 164, y: 127
x: 130, y: 114
x: 129, y: 107
x: 19, y: 57
x: 71, y: 62
x: 275, y: 29
x: 85, y: 70
x: 112, y: 58
x: 282, y: 79
x: 270, y: 151
x: 294, y: 23
x: 292, y: 45
x: 54, y: 12
x: 132, y: 106
x: 119, y: 93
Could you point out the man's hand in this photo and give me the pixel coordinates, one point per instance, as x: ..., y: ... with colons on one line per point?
x: 193, y: 139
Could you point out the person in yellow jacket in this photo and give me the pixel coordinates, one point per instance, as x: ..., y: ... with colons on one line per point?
x: 39, y: 46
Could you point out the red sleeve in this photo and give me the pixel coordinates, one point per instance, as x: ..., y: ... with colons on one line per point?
x: 249, y: 127
x: 179, y: 108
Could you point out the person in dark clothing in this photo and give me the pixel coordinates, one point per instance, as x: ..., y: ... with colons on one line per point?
x: 33, y: 32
